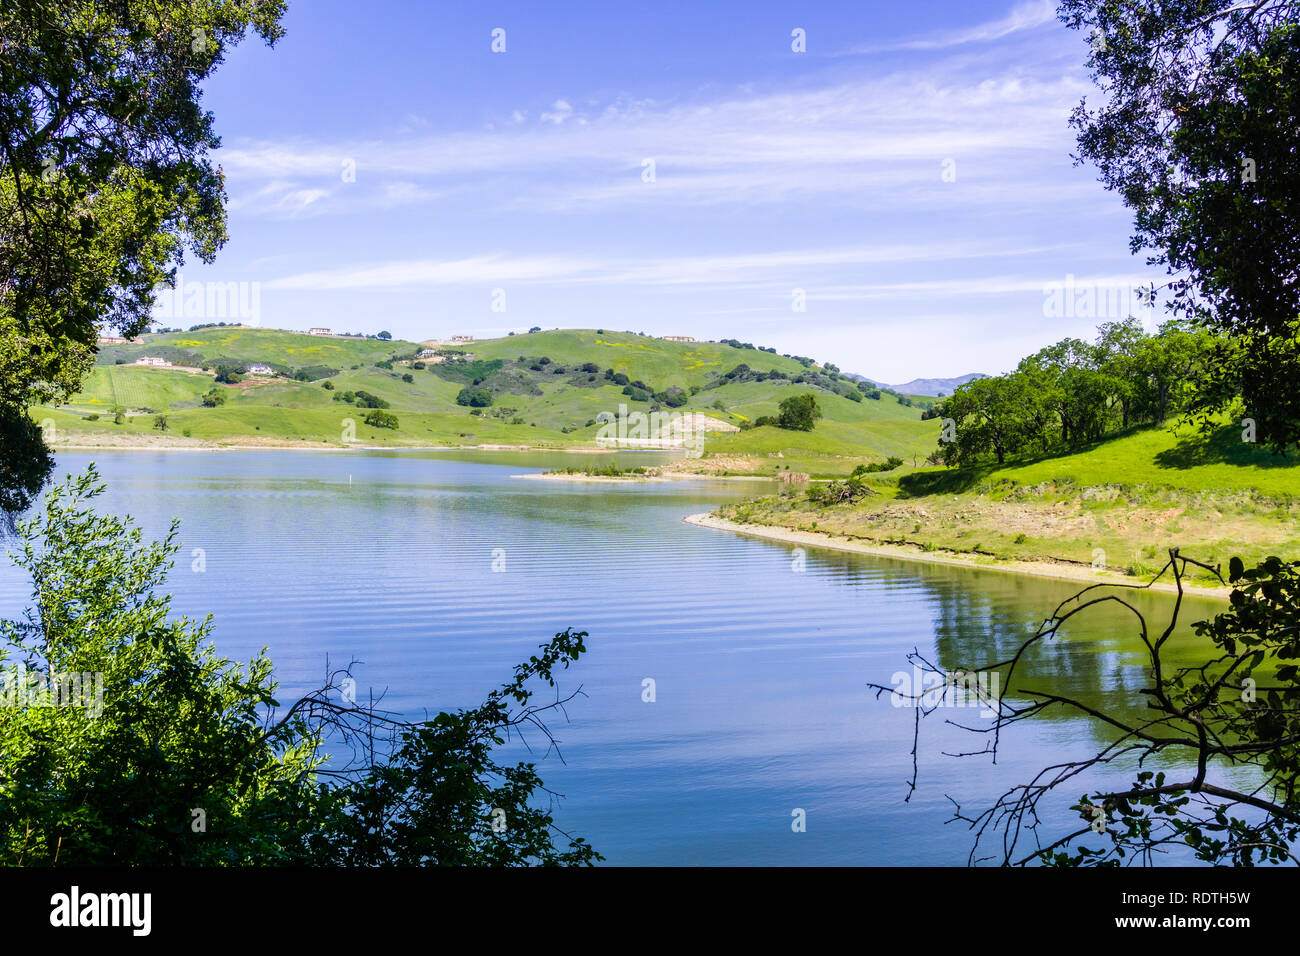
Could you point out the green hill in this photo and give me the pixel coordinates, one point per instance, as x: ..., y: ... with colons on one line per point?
x: 547, y: 389
x: 1119, y: 504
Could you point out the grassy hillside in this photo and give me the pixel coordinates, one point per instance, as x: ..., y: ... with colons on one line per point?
x: 243, y: 344
x: 1156, y: 457
x: 1120, y: 504
x: 650, y: 359
x: 547, y: 390
x: 142, y: 388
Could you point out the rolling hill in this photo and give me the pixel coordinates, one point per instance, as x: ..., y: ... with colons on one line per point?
x: 547, y: 389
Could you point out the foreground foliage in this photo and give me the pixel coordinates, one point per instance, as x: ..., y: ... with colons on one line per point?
x: 1238, y: 711
x: 106, y: 180
x: 189, y: 759
x: 1196, y: 131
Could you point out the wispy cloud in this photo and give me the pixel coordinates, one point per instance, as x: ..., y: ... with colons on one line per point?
x: 1025, y: 16
x: 872, y: 139
x: 761, y: 269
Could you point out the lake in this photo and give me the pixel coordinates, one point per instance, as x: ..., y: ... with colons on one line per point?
x: 760, y: 669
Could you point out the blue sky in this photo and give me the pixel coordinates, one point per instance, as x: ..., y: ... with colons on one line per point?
x: 773, y: 171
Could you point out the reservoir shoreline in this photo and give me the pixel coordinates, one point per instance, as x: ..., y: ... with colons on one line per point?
x: 1043, y: 569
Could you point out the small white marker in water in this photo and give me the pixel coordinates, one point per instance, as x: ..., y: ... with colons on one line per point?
x: 349, y: 481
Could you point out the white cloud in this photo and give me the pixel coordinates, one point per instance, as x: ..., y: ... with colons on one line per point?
x: 756, y: 270
x: 882, y: 136
x: 559, y: 112
x: 1024, y: 16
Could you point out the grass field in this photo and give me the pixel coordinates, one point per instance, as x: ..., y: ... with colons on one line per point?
x: 139, y: 388
x: 530, y: 407
x: 1119, y: 506
x: 1157, y: 457
x: 245, y: 344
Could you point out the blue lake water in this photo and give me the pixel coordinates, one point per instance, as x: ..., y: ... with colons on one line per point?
x: 760, y: 670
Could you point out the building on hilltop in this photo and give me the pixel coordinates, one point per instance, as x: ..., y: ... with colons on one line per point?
x: 319, y: 332
x: 257, y: 368
x: 678, y: 338
x: 152, y: 362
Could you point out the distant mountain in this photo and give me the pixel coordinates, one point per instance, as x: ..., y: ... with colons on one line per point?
x: 933, y: 386
x: 924, y: 386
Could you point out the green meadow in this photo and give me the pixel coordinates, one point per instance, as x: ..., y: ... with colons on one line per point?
x: 555, y: 405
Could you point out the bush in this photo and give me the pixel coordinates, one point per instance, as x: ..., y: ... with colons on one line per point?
x: 230, y: 374
x: 799, y: 412
x: 474, y: 397
x: 312, y: 373
x: 171, y: 726
x: 214, y: 398
x: 408, y: 378
x: 381, y: 419
x: 888, y: 464
x: 673, y: 397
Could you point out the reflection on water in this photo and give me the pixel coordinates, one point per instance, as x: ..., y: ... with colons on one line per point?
x: 761, y: 671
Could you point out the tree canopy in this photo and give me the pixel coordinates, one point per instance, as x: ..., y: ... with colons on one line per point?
x: 1198, y: 133
x: 106, y: 180
x: 164, y: 753
x: 1073, y: 393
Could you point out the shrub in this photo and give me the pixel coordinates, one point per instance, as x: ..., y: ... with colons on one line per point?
x: 888, y: 464
x: 381, y: 419
x: 673, y: 397
x: 799, y: 412
x: 205, y: 731
x: 474, y: 397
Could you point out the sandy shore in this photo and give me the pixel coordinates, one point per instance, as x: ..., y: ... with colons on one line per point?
x: 1042, y: 569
